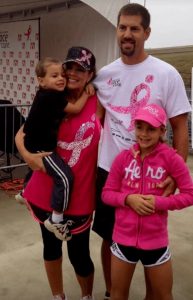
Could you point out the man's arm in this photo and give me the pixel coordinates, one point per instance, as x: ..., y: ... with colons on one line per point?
x: 179, y: 126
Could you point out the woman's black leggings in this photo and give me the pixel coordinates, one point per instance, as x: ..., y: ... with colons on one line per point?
x: 78, y: 250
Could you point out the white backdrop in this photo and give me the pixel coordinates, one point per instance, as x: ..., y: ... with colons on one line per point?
x: 19, y: 54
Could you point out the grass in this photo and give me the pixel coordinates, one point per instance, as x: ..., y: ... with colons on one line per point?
x: 183, y: 62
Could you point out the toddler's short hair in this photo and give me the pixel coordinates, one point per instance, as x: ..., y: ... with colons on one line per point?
x: 43, y: 64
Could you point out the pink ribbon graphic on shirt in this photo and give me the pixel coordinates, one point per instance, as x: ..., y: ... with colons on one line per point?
x: 135, y: 105
x: 79, y: 143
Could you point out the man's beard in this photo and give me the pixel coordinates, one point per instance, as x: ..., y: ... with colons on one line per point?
x: 128, y: 52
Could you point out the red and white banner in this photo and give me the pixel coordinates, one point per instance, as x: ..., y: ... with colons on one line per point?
x: 19, y: 54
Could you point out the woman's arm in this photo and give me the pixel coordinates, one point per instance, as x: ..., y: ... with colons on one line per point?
x: 34, y: 161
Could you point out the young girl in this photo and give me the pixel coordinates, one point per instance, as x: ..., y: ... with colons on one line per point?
x: 140, y: 230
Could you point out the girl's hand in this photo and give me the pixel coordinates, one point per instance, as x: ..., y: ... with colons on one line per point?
x: 143, y: 205
x: 169, y: 185
x: 90, y: 90
x: 35, y: 161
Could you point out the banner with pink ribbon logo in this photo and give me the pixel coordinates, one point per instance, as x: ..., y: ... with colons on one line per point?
x: 19, y: 54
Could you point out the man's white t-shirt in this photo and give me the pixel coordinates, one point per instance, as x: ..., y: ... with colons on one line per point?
x: 123, y: 89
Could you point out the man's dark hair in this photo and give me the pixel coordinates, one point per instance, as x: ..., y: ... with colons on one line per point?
x: 134, y: 9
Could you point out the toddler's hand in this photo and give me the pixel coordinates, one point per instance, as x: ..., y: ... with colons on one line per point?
x: 90, y: 90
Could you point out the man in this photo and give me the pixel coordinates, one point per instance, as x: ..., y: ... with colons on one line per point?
x: 124, y: 86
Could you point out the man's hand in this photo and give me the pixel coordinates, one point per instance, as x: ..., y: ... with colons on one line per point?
x: 143, y: 205
x: 35, y: 162
x: 169, y: 186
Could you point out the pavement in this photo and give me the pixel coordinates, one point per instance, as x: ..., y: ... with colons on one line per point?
x: 22, y: 274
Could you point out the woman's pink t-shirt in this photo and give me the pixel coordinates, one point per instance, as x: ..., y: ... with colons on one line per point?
x: 78, y: 145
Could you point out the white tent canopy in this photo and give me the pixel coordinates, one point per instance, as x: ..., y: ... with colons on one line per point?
x: 94, y: 24
x: 171, y: 21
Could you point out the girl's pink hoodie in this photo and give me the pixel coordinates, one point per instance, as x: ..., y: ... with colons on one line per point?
x: 128, y: 175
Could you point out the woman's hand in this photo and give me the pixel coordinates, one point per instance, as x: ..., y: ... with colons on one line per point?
x: 169, y: 185
x: 35, y: 162
x: 90, y: 90
x: 143, y: 205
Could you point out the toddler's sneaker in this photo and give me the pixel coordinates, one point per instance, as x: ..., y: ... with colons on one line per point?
x: 59, y: 297
x: 20, y: 199
x: 60, y: 230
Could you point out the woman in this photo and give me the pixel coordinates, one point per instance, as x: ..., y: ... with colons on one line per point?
x: 79, y: 147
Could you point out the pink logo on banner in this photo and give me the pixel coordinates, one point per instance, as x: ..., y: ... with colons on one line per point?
x: 11, y: 54
x: 24, y: 95
x: 1, y: 76
x: 36, y: 55
x: 11, y: 70
x: 1, y: 62
x: 7, y: 62
x: 7, y: 93
x: 19, y: 37
x: 15, y: 94
x: 32, y: 96
x: 23, y: 79
x: 7, y: 77
x: 4, y: 54
x: 28, y: 102
x: 23, y: 111
x: 4, y: 69
x: 19, y: 87
x: 20, y: 71
x: 11, y: 100
x: 23, y: 45
x: 36, y: 88
x: 1, y: 91
x: 19, y: 55
x: 37, y: 36
x: 27, y: 71
x: 4, y: 84
x: 32, y: 80
x: 5, y: 98
x: 18, y: 101
x: 28, y: 88
x: 31, y: 63
x: 11, y: 85
x: 32, y: 45
x: 27, y: 55
x: 15, y: 63
x: 14, y: 78
x: 28, y: 33
x: 23, y: 63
